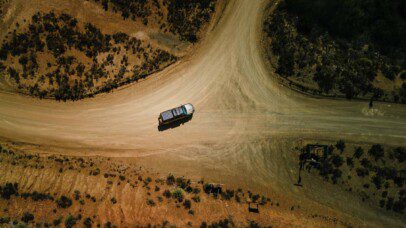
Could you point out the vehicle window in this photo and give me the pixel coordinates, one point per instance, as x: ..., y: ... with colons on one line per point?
x: 184, y: 110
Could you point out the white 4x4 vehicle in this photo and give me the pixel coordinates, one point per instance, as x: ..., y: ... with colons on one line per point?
x: 178, y: 113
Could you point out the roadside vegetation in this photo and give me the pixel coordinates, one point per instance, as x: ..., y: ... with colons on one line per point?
x: 182, y: 18
x: 57, y: 56
x: 54, y: 55
x: 352, y: 48
x: 79, y: 207
x: 375, y: 173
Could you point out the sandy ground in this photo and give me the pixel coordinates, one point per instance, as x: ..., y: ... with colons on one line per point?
x: 243, y: 125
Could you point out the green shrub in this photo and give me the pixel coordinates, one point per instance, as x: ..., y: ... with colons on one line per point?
x: 228, y: 194
x: 70, y: 221
x: 27, y: 217
x: 178, y: 194
x: 167, y: 193
x: 196, y: 199
x: 150, y: 202
x: 4, y: 220
x: 400, y: 154
x: 87, y: 222
x: 9, y: 190
x: 57, y: 221
x: 207, y: 188
x: 170, y: 179
x: 77, y: 195
x: 64, y: 202
x: 187, y: 203
x: 358, y: 152
x: 340, y: 145
x: 376, y: 151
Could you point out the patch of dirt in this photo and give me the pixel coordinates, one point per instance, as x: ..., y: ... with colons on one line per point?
x: 120, y: 192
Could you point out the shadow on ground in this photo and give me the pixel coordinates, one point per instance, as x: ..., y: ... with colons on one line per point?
x: 174, y: 124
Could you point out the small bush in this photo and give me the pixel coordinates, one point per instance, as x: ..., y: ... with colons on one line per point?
x: 150, y: 202
x: 160, y: 199
x: 207, y: 188
x: 196, y: 191
x: 95, y: 172
x: 400, y: 154
x: 237, y: 198
x: 196, y: 199
x: 77, y: 195
x: 182, y: 183
x: 170, y: 179
x: 4, y: 220
x: 178, y: 194
x: 187, y: 203
x: 362, y: 172
x: 228, y: 194
x: 358, y: 152
x: 376, y: 151
x: 167, y: 193
x: 70, y: 221
x: 64, y: 202
x: 113, y: 200
x: 57, y: 221
x: 340, y: 145
x: 263, y: 200
x: 8, y: 190
x: 87, y: 222
x: 255, y: 198
x: 27, y: 217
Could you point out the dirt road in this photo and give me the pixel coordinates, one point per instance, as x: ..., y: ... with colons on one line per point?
x: 243, y: 123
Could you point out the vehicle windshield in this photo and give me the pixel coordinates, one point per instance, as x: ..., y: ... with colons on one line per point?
x: 184, y: 110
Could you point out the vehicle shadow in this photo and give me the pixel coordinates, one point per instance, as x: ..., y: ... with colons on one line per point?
x: 174, y: 124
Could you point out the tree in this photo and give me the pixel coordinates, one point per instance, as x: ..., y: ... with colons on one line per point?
x: 358, y: 152
x: 340, y: 145
x: 286, y: 64
x: 362, y: 172
x: 377, y: 180
x: 14, y: 74
x: 376, y: 151
x: 400, y: 154
x: 337, y: 160
x: 366, y: 163
x: 325, y: 78
x: 350, y: 162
